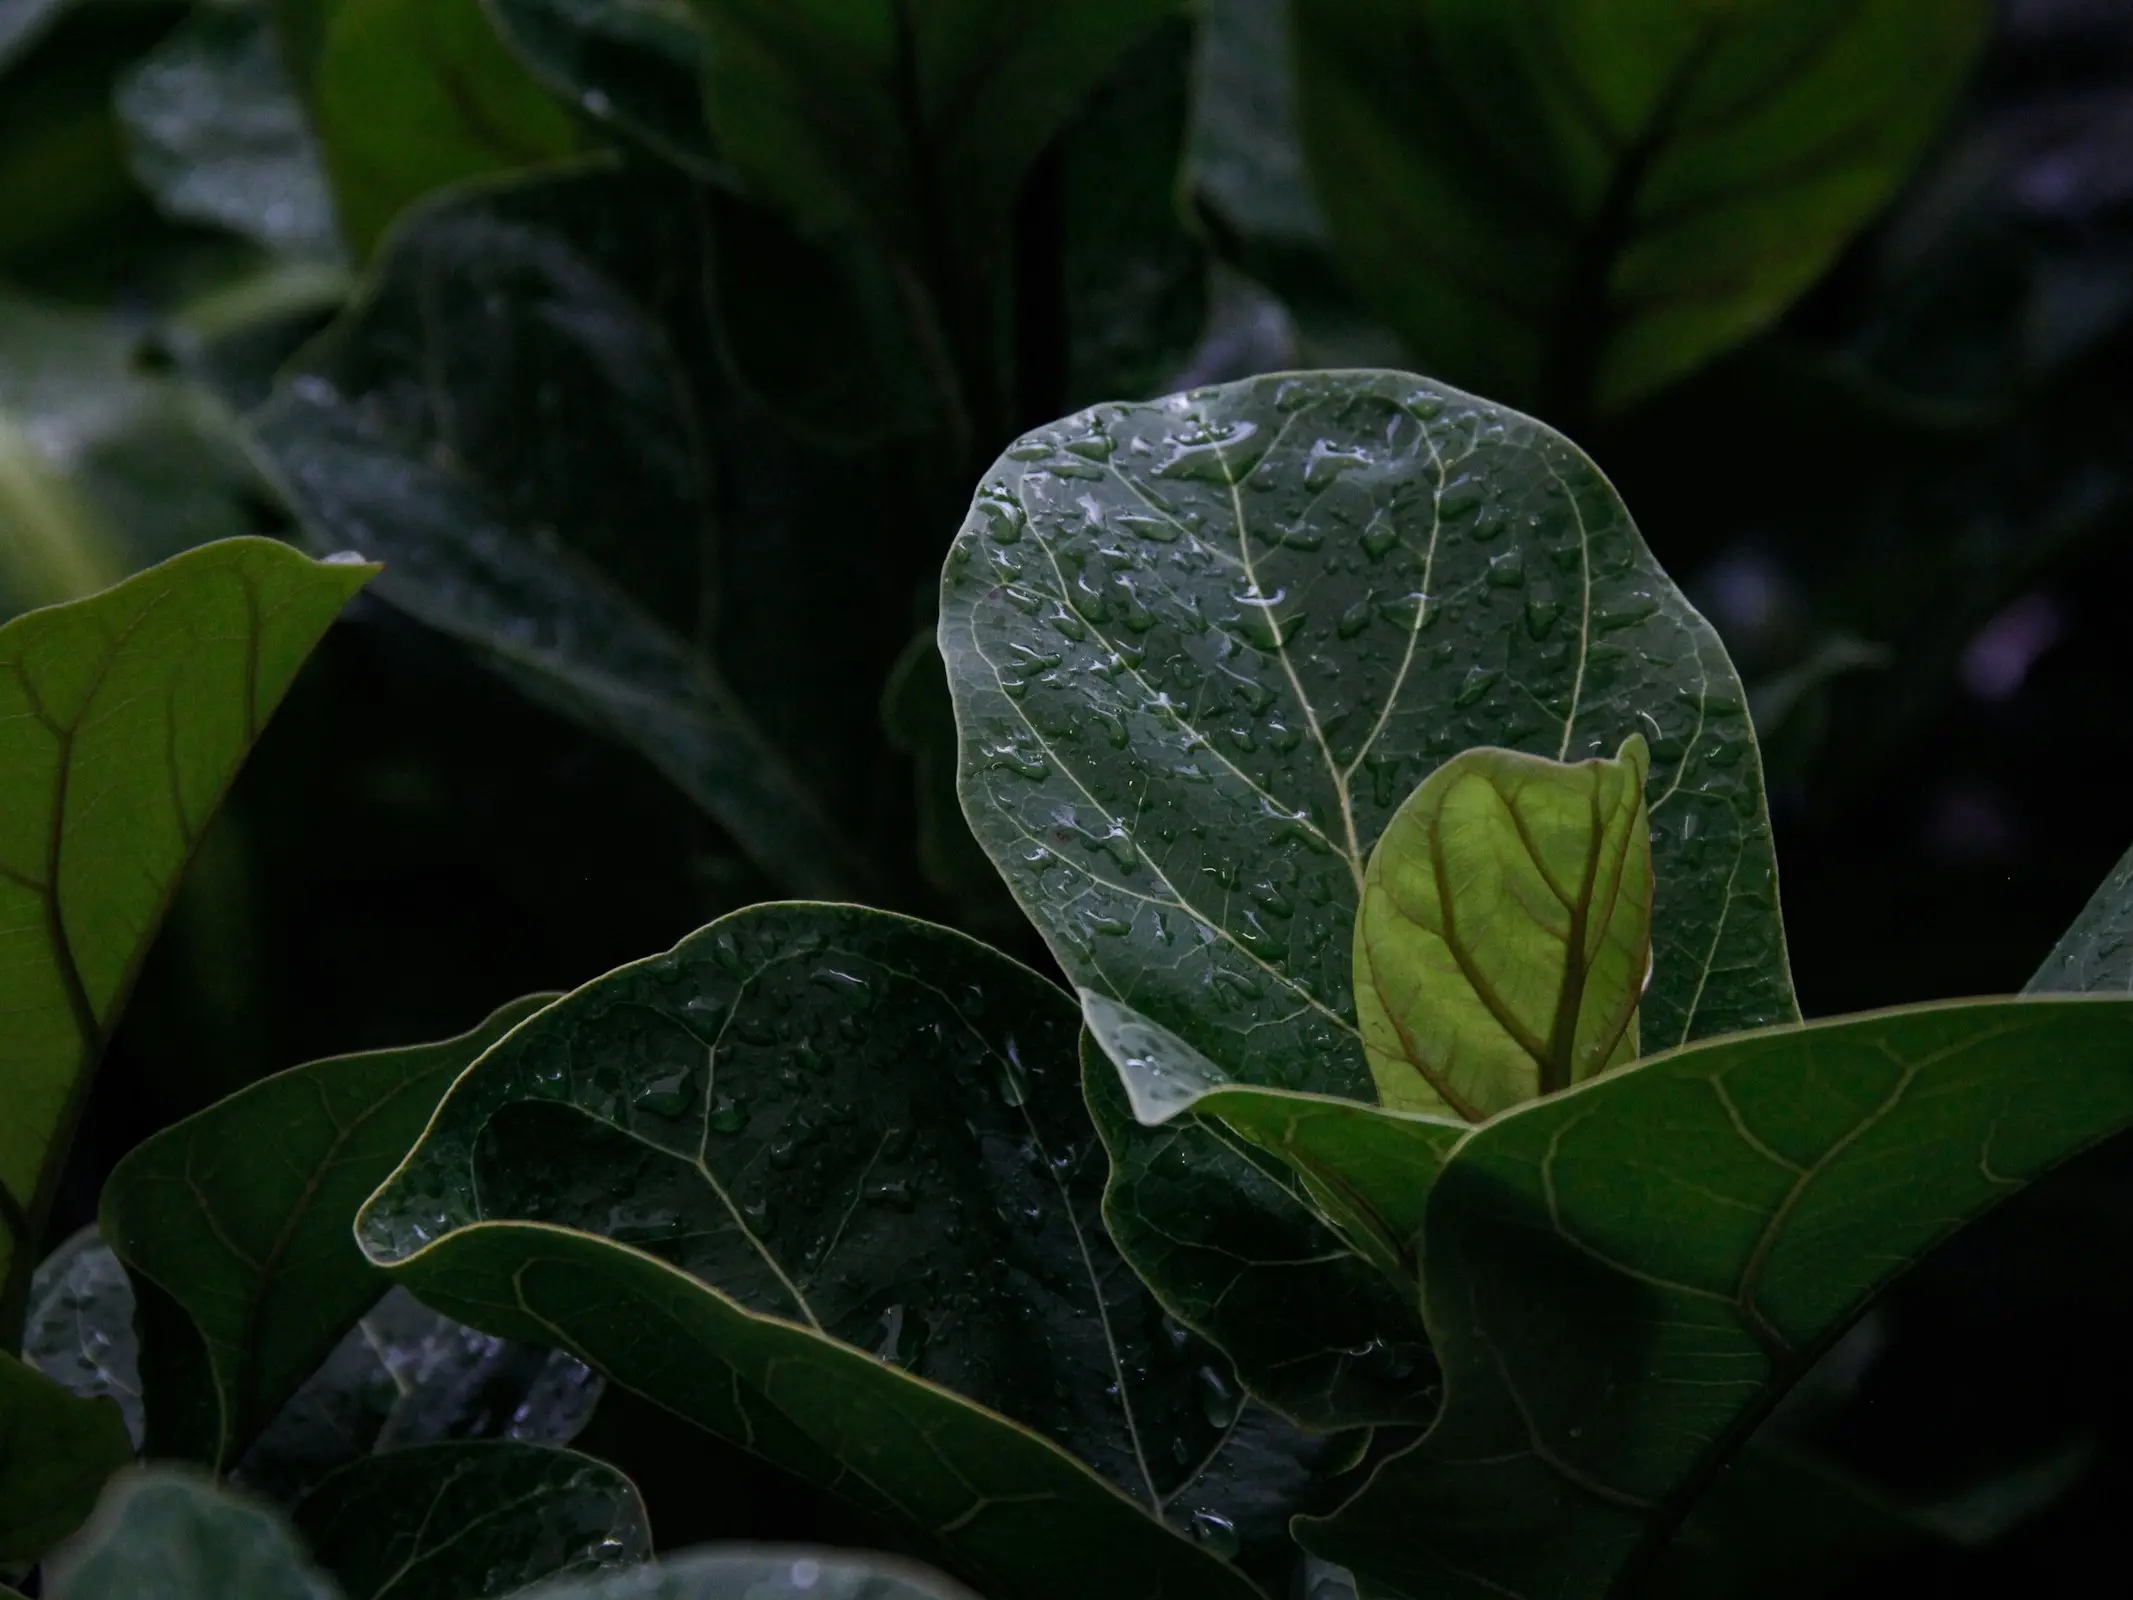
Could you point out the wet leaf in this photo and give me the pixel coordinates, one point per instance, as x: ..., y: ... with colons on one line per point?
x: 636, y: 65
x: 217, y: 132
x: 507, y: 419
x: 471, y: 1521
x: 56, y: 1451
x: 1202, y: 649
x: 123, y: 719
x: 2095, y: 956
x: 1505, y: 931
x: 1572, y: 206
x: 1611, y: 1327
x: 413, y: 95
x: 80, y: 1332
x: 259, y: 1255
x: 179, y: 1537
x: 762, y: 1574
x: 821, y: 1180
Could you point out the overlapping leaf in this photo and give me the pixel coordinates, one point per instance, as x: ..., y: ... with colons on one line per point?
x: 859, y: 1145
x: 1568, y: 206
x: 80, y: 1330
x: 1621, y: 1278
x: 258, y: 1254
x: 2095, y: 956
x: 123, y: 718
x: 471, y: 1521
x: 1201, y: 649
x: 56, y: 1451
x: 177, y: 1536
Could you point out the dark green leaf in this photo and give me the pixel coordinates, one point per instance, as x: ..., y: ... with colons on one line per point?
x: 259, y: 1254
x: 1505, y: 932
x: 1611, y: 1327
x: 861, y: 1206
x: 762, y: 1574
x: 80, y: 1331
x: 217, y: 133
x: 1571, y: 206
x: 56, y: 1450
x: 505, y: 419
x: 471, y: 1521
x: 1195, y: 673
x: 2096, y: 954
x: 177, y: 1537
x: 635, y: 64
x: 123, y: 719
x: 915, y: 123
x: 412, y: 95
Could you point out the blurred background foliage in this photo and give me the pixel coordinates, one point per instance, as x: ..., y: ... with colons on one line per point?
x: 657, y: 346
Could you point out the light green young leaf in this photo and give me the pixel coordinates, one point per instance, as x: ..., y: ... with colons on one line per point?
x: 259, y: 1255
x: 1612, y: 1327
x: 1505, y: 933
x: 177, y: 1536
x: 471, y: 1520
x: 123, y: 719
x: 56, y: 1451
x: 1569, y: 206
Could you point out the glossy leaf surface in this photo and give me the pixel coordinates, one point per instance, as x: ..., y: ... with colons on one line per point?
x: 914, y: 123
x: 217, y: 132
x: 470, y: 1521
x: 259, y: 1254
x: 80, y: 1329
x: 862, y: 1206
x: 505, y: 419
x: 123, y: 718
x: 2095, y: 956
x: 1505, y: 931
x: 1622, y: 1278
x: 56, y: 1451
x: 1569, y: 206
x: 634, y: 64
x: 1202, y: 649
x: 178, y: 1537
x: 412, y: 95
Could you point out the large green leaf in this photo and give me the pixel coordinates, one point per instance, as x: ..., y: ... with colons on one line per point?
x: 412, y: 95
x: 914, y: 122
x: 1622, y: 1278
x: 1505, y: 931
x: 763, y: 1574
x: 507, y: 418
x: 217, y: 132
x: 1571, y: 205
x: 635, y: 64
x: 178, y: 1537
x: 857, y: 1231
x: 123, y: 719
x: 469, y: 1521
x: 56, y: 1451
x: 259, y: 1255
x: 1202, y: 648
x: 2096, y: 954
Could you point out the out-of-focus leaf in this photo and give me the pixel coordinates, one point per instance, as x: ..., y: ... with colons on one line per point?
x: 862, y: 1212
x: 635, y: 64
x: 1201, y: 650
x: 471, y: 1521
x: 22, y: 22
x: 1611, y: 1326
x: 260, y: 1254
x: 505, y: 420
x: 406, y: 1375
x: 1505, y: 936
x: 56, y: 1451
x: 216, y: 132
x: 1245, y: 160
x: 742, y: 1573
x: 123, y: 719
x: 175, y: 1536
x: 1573, y: 205
x: 80, y: 1331
x: 412, y: 95
x: 104, y: 468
